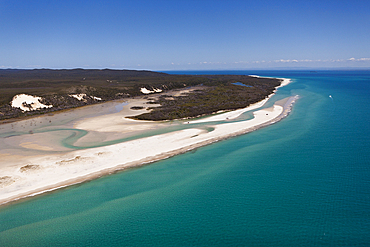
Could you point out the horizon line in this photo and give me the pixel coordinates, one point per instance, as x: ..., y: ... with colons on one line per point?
x: 219, y: 69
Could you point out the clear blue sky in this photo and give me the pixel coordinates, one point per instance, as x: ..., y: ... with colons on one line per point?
x: 189, y: 34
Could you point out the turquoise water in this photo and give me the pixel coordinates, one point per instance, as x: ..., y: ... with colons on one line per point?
x: 304, y: 181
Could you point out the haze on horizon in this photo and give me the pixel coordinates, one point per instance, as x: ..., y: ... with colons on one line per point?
x: 180, y: 35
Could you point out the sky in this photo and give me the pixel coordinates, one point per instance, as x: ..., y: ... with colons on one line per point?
x: 185, y: 35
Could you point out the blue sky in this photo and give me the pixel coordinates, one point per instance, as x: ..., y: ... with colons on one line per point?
x: 176, y: 35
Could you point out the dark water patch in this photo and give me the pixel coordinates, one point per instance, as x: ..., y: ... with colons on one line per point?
x: 241, y: 84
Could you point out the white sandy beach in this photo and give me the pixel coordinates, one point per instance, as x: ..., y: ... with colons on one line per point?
x: 30, y: 173
x: 237, y: 113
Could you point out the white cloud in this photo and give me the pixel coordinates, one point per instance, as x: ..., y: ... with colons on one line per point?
x: 317, y: 60
x: 351, y: 62
x: 361, y: 59
x: 352, y: 59
x: 8, y: 67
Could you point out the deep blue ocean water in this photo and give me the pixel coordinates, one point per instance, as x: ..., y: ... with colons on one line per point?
x: 304, y: 181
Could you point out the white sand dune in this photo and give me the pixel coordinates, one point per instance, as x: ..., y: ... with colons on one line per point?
x: 146, y: 91
x: 22, y: 100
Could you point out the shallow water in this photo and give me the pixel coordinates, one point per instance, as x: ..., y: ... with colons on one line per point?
x: 301, y: 182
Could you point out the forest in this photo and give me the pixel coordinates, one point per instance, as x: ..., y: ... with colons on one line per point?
x: 56, y: 87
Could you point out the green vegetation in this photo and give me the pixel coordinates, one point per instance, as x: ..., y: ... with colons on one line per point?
x: 219, y: 94
x: 55, y: 86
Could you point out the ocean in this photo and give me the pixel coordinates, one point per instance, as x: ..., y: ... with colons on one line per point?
x: 304, y: 181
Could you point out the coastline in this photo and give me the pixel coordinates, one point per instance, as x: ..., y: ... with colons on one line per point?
x: 236, y: 113
x: 59, y: 171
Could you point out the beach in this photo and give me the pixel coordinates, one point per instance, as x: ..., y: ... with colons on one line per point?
x: 36, y: 162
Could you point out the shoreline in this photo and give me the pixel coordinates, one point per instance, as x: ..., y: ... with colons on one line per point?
x: 88, y: 164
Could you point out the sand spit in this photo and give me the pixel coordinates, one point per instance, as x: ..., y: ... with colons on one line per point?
x: 237, y: 113
x: 43, y: 173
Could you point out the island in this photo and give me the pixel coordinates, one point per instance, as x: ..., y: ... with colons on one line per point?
x: 62, y: 127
